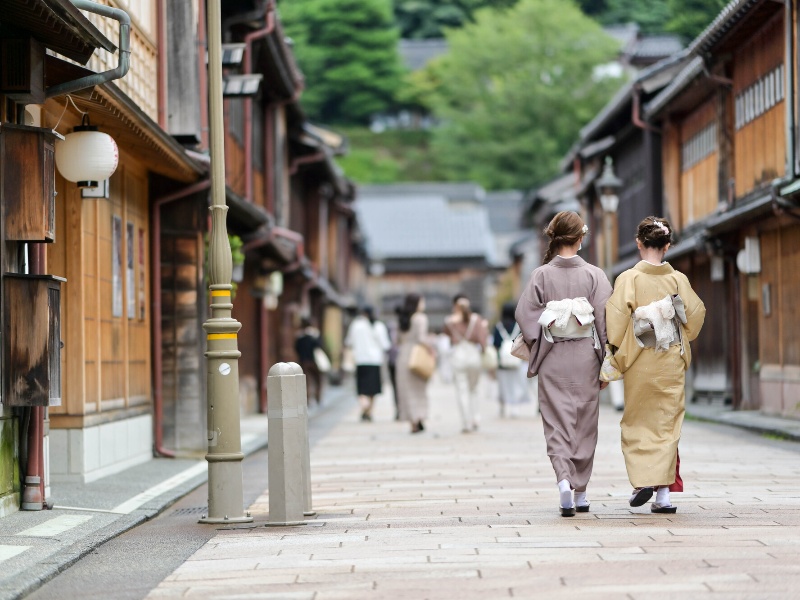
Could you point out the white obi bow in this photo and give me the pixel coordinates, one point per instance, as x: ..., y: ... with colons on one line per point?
x: 659, y: 317
x: 557, y: 319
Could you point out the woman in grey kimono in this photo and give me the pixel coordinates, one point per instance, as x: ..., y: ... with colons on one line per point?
x: 412, y: 391
x: 562, y: 317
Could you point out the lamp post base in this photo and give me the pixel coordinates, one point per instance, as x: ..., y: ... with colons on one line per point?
x: 225, y: 520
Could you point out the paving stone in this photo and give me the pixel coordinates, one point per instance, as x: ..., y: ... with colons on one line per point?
x: 442, y: 515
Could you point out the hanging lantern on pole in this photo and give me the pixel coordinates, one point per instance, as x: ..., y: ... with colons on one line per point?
x: 87, y: 156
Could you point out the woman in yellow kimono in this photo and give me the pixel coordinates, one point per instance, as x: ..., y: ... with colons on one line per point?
x: 651, y: 317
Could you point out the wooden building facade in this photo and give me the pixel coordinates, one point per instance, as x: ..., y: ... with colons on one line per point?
x: 126, y: 263
x: 723, y: 149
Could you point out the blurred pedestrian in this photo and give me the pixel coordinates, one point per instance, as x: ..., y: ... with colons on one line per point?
x: 652, y: 316
x: 392, y: 364
x: 562, y: 317
x: 369, y: 341
x: 468, y: 334
x: 443, y: 349
x: 412, y: 391
x: 512, y: 372
x: 307, y: 346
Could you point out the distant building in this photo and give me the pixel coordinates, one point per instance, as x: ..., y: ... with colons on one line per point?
x: 430, y: 238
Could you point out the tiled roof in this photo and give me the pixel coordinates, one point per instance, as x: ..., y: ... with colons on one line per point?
x: 418, y: 226
x: 656, y: 46
x: 416, y: 54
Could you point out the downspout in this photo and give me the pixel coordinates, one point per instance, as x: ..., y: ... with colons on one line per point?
x: 202, y: 48
x: 268, y: 28
x: 33, y: 488
x: 124, y: 47
x: 161, y: 41
x: 791, y: 161
x: 636, y: 108
x: 155, y: 269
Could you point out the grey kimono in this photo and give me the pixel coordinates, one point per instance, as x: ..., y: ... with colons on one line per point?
x: 568, y: 368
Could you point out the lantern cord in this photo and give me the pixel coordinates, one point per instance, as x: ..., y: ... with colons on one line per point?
x: 66, y: 105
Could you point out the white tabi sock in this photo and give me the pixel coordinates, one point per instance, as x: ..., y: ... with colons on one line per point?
x: 580, y: 499
x: 662, y: 496
x: 565, y: 494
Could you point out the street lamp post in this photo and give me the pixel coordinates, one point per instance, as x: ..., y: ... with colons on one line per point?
x: 225, y: 495
x: 607, y: 186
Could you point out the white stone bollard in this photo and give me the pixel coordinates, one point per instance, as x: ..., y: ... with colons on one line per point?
x: 308, y: 510
x: 285, y: 449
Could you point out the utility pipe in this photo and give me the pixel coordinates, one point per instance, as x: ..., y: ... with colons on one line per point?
x: 124, y: 47
x: 155, y: 269
x: 161, y: 41
x: 268, y: 28
x: 202, y: 49
x: 636, y: 117
x: 33, y: 489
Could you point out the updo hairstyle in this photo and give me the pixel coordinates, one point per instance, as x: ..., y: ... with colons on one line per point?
x: 565, y: 229
x: 654, y: 232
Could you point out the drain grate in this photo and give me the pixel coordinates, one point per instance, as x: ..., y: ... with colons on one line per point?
x: 193, y: 510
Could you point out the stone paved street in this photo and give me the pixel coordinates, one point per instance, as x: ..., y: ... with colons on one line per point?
x: 446, y: 515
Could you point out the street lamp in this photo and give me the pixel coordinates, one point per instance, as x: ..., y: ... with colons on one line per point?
x: 225, y: 493
x: 607, y: 186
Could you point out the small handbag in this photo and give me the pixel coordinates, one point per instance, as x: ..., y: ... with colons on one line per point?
x: 422, y: 362
x: 348, y: 361
x: 321, y: 360
x: 520, y: 349
x: 608, y: 372
x: 489, y: 359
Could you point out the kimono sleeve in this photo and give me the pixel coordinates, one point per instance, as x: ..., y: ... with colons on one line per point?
x: 600, y: 296
x: 530, y: 308
x: 619, y: 309
x: 695, y: 309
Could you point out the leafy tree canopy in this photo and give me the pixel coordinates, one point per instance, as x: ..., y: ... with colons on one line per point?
x: 423, y: 19
x: 347, y: 50
x: 514, y: 91
x: 688, y: 18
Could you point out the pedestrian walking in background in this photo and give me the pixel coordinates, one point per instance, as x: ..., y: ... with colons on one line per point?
x: 392, y: 365
x: 468, y: 333
x: 443, y: 365
x: 368, y: 339
x: 562, y: 317
x: 651, y: 317
x: 412, y: 391
x: 512, y: 372
x: 307, y: 346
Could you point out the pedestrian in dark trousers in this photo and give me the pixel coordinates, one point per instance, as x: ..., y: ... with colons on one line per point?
x: 305, y: 345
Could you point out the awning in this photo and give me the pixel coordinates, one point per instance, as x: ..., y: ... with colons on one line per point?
x: 58, y: 25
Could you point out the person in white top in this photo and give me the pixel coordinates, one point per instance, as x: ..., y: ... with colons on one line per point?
x: 368, y: 338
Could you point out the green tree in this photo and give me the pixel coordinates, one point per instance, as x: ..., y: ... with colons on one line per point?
x: 514, y: 91
x: 347, y: 50
x: 651, y: 16
x: 422, y: 19
x: 689, y: 17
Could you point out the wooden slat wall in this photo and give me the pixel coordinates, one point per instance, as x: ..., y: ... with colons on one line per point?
x: 760, y: 146
x: 671, y: 161
x: 769, y: 330
x: 106, y: 359
x: 699, y: 184
x: 785, y: 299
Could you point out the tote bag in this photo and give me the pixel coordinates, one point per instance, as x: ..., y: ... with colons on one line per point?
x: 421, y: 362
x: 465, y: 354
x: 321, y: 360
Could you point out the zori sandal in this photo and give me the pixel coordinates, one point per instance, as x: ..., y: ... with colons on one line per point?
x: 641, y: 496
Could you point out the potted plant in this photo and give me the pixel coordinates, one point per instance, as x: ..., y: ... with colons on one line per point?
x: 237, y: 257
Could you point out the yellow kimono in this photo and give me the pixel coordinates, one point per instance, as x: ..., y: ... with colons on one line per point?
x: 654, y: 380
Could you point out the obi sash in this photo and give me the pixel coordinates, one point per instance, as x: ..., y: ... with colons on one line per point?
x: 568, y: 319
x: 658, y: 324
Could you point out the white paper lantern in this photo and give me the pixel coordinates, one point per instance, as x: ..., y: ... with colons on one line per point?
x: 87, y: 156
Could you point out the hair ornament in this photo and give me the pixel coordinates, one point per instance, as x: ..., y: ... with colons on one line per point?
x: 661, y: 226
x: 585, y: 229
